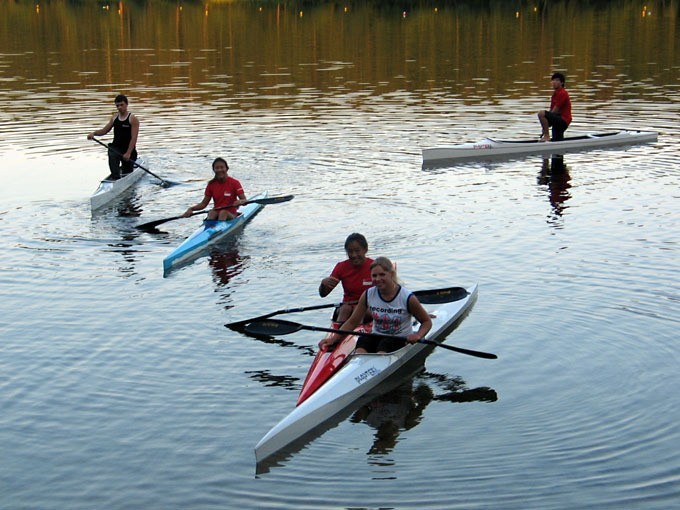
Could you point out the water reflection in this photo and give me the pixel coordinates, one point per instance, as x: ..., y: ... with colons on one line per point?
x: 128, y: 204
x: 112, y: 219
x: 226, y: 263
x: 390, y: 413
x: 402, y: 408
x: 310, y: 351
x: 554, y: 174
x: 268, y: 379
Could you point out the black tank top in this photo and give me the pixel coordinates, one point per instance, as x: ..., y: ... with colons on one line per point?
x: 122, y: 133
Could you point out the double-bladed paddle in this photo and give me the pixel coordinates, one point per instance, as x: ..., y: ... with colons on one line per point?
x: 428, y: 297
x: 239, y: 325
x: 164, y: 183
x: 273, y: 327
x: 151, y: 225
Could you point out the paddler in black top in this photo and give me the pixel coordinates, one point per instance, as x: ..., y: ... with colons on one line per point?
x: 122, y: 151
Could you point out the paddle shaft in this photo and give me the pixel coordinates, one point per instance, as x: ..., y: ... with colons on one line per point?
x: 469, y: 352
x: 163, y: 181
x: 435, y: 296
x: 264, y: 201
x: 479, y: 354
x: 240, y: 324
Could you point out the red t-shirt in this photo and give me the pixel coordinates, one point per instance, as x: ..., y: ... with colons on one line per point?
x: 560, y: 98
x: 355, y: 280
x: 224, y: 193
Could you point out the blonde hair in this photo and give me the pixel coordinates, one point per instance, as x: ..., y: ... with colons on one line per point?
x: 388, y: 266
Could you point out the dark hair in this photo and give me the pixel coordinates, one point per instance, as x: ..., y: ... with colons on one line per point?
x: 356, y: 238
x: 121, y: 98
x: 559, y: 76
x: 218, y: 160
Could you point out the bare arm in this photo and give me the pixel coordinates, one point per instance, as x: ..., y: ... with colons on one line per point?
x: 421, y: 316
x: 354, y: 320
x: 134, y: 124
x: 201, y: 205
x: 241, y: 198
x: 327, y: 285
x: 102, y: 131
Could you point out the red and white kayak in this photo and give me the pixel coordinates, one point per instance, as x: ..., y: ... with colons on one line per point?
x: 326, y: 363
x: 344, y: 378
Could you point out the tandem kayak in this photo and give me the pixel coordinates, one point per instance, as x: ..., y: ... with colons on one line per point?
x: 489, y: 148
x: 209, y: 233
x: 358, y: 375
x: 110, y: 189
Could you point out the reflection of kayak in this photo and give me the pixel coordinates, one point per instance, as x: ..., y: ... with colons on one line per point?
x: 361, y: 374
x: 489, y: 148
x: 110, y: 189
x: 209, y: 233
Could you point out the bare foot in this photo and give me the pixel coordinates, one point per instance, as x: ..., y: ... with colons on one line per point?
x: 544, y: 138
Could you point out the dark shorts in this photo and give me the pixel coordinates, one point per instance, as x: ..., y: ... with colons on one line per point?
x: 372, y: 344
x: 117, y: 164
x: 558, y: 125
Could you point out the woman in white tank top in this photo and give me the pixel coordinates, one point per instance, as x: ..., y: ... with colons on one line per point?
x: 392, y: 307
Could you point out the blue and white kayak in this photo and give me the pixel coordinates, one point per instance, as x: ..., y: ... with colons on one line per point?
x: 209, y: 233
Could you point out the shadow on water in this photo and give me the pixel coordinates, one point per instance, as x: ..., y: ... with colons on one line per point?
x: 554, y: 174
x: 392, y: 408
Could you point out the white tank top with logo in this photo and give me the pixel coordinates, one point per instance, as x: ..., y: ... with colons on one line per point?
x: 390, y: 317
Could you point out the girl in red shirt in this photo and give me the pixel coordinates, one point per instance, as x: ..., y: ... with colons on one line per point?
x: 226, y: 193
x: 354, y: 274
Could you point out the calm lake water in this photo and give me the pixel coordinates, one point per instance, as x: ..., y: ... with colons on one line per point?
x: 121, y: 388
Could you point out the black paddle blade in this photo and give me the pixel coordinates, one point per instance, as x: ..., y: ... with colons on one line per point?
x: 151, y: 225
x: 272, y: 200
x: 167, y: 184
x: 240, y: 325
x: 271, y: 327
x: 438, y: 296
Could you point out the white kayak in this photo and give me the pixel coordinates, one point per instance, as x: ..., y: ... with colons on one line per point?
x: 489, y: 148
x: 361, y: 375
x: 110, y: 189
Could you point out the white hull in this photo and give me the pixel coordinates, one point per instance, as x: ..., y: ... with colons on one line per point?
x: 358, y: 377
x: 490, y: 149
x: 109, y: 190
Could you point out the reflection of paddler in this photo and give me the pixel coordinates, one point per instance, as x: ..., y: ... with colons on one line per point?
x: 400, y: 409
x: 555, y: 174
x: 226, y: 265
